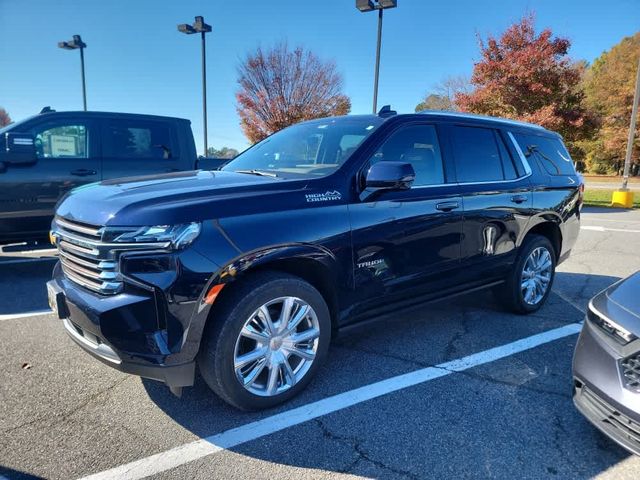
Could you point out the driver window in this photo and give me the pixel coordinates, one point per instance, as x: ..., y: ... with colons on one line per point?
x: 417, y: 145
x: 61, y: 141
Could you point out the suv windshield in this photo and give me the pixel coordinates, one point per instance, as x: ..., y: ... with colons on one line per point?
x: 315, y: 148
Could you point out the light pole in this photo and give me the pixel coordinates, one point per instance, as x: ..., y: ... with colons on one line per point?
x: 76, y: 44
x: 368, y: 6
x: 200, y: 27
x: 624, y: 197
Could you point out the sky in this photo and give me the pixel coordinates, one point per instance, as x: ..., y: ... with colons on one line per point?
x: 137, y: 61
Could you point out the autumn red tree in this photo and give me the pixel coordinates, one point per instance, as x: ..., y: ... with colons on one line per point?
x: 280, y: 87
x: 529, y: 76
x: 5, y: 119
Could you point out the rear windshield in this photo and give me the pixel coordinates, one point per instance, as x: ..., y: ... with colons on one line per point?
x: 549, y: 151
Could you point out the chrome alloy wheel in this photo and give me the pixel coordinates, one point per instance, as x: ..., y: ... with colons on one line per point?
x: 536, y: 275
x: 276, y: 346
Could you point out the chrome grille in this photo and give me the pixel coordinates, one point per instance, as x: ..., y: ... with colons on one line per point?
x: 630, y: 367
x: 85, y: 259
x: 90, y: 261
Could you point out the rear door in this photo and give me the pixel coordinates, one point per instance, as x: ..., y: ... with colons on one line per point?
x: 497, y: 197
x: 67, y: 156
x: 139, y: 146
x: 406, y: 241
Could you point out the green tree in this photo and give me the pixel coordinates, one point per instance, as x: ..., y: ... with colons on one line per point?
x: 5, y: 119
x: 609, y: 85
x: 224, y: 152
x: 529, y: 76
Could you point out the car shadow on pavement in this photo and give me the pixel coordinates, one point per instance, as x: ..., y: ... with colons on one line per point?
x: 513, y: 411
x: 10, y: 474
x: 23, y: 285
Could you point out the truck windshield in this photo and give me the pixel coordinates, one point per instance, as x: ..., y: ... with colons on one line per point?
x: 311, y: 149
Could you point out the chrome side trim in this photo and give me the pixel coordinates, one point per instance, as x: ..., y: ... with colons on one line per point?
x: 523, y: 158
x: 99, y: 349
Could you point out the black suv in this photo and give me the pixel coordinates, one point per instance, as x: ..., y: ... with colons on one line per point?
x: 249, y: 271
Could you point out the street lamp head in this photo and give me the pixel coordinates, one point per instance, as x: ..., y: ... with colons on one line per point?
x: 369, y: 5
x: 186, y: 28
x: 73, y: 44
x: 198, y: 27
x: 365, y: 5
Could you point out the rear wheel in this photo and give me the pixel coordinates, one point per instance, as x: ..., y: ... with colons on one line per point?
x: 529, y: 283
x: 266, y: 341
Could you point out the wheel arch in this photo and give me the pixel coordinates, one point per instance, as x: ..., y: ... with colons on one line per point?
x: 548, y: 226
x: 313, y: 264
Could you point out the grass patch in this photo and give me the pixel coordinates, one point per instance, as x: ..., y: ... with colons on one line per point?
x: 602, y: 198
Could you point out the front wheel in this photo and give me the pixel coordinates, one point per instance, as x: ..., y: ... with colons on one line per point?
x: 529, y: 283
x: 266, y: 341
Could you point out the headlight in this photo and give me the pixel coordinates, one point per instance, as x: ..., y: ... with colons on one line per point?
x: 618, y: 332
x: 179, y: 236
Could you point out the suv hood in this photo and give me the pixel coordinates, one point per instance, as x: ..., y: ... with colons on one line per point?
x: 621, y: 303
x: 171, y: 198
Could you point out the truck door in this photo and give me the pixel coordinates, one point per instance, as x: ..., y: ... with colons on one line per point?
x: 139, y: 146
x: 405, y: 242
x: 67, y: 156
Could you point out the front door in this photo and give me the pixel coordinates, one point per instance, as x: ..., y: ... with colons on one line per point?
x: 67, y: 156
x: 404, y: 242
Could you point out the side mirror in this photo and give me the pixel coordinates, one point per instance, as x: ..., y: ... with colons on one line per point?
x: 388, y: 176
x: 20, y: 149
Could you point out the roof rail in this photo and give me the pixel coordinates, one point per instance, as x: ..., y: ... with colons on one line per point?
x: 480, y: 117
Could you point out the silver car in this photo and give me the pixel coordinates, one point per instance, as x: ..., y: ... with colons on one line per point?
x: 606, y: 363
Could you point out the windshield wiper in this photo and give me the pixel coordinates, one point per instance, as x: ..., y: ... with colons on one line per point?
x: 260, y: 173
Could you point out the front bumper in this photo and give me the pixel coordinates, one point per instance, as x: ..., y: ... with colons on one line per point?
x: 599, y: 392
x: 145, y: 330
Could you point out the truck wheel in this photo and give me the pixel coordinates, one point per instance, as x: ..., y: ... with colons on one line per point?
x: 266, y: 341
x: 529, y: 282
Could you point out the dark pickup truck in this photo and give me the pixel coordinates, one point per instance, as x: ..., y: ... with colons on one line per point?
x: 44, y: 156
x: 248, y: 272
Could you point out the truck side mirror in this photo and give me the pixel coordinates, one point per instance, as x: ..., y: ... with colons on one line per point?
x: 388, y: 176
x: 20, y: 149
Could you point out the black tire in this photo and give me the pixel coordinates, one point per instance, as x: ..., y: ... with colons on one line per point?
x: 510, y: 293
x: 216, y: 356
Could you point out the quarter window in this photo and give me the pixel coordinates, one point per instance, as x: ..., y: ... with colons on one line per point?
x: 61, y: 141
x: 550, y: 152
x: 417, y: 145
x: 139, y: 140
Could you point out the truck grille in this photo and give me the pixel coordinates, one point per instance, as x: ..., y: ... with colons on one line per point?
x: 85, y: 259
x: 630, y: 367
x: 90, y: 261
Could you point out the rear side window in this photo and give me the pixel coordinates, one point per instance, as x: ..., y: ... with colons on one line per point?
x: 550, y: 153
x: 139, y: 139
x: 480, y: 155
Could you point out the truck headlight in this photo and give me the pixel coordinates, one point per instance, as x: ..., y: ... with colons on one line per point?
x: 618, y: 332
x: 179, y: 236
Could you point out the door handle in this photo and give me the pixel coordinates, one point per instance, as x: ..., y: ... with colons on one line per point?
x: 83, y: 172
x: 447, y: 206
x: 519, y: 198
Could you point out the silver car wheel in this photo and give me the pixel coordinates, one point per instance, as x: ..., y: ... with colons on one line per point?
x: 276, y: 346
x: 536, y: 275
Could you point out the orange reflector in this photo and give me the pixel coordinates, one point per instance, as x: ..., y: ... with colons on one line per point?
x: 52, y: 238
x: 213, y: 293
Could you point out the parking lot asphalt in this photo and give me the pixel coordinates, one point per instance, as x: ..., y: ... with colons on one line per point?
x: 64, y: 415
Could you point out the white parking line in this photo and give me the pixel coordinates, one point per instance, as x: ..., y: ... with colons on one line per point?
x: 163, y: 461
x: 15, y: 316
x: 598, y: 228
